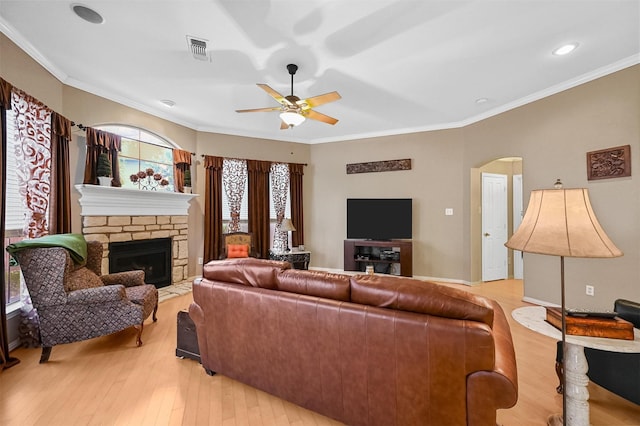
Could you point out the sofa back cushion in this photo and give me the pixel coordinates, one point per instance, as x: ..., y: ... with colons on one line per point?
x: 423, y: 297
x: 82, y: 278
x: 245, y: 271
x: 315, y: 283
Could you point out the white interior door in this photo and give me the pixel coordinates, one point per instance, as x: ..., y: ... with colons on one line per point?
x: 518, y: 266
x: 494, y: 227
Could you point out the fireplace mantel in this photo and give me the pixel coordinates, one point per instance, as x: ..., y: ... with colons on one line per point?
x: 99, y: 200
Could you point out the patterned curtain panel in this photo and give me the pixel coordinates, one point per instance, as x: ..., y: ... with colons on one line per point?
x: 33, y: 135
x: 279, y: 191
x: 212, y: 207
x: 99, y: 141
x: 181, y: 163
x: 296, y: 171
x: 234, y: 177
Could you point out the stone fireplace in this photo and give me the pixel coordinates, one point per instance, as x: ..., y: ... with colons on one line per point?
x: 117, y: 215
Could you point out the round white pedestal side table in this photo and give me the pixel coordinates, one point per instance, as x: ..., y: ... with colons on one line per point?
x: 575, y: 363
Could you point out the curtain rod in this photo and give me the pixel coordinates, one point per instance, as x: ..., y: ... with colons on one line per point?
x: 82, y: 127
x: 304, y: 164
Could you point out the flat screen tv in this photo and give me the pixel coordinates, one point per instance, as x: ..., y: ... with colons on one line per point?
x: 379, y: 218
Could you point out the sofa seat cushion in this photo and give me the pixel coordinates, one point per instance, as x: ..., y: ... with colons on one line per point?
x: 315, y: 283
x: 245, y: 271
x: 407, y: 294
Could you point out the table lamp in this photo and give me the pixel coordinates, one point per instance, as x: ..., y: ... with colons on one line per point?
x: 561, y: 222
x: 287, y: 226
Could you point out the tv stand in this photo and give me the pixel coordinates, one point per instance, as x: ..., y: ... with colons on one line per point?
x: 384, y: 256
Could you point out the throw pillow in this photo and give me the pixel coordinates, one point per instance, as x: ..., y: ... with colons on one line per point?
x: 237, y: 250
x: 82, y: 278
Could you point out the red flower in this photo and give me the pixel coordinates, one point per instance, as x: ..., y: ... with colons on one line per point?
x: 134, y: 177
x: 142, y: 174
x: 157, y: 176
x: 150, y: 172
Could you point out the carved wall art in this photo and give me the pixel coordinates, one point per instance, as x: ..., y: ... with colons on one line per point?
x: 609, y: 163
x: 379, y: 166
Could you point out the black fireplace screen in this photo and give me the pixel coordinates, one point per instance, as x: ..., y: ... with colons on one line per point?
x: 151, y: 256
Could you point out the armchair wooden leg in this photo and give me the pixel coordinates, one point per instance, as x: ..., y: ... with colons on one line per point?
x: 155, y: 310
x: 139, y: 327
x: 46, y: 352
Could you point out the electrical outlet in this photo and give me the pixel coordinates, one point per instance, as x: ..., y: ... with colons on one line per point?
x: 448, y: 212
x: 590, y: 290
x: 199, y: 261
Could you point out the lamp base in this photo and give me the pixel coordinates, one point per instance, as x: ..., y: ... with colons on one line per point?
x: 554, y: 420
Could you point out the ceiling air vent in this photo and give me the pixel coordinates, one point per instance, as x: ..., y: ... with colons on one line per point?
x: 198, y: 48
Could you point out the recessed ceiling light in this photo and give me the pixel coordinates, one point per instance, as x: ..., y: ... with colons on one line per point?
x: 168, y: 103
x: 565, y: 49
x: 87, y: 14
x: 480, y: 101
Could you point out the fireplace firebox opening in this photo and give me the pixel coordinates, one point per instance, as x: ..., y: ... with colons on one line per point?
x: 151, y: 256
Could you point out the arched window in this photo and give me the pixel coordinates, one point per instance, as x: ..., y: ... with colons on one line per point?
x: 142, y: 150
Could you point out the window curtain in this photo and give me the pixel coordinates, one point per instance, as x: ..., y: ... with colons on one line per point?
x: 33, y: 170
x: 33, y: 134
x: 259, y: 221
x: 60, y: 199
x: 279, y: 185
x: 296, y: 171
x: 212, y: 207
x: 234, y: 177
x: 5, y: 103
x: 181, y: 162
x: 99, y: 141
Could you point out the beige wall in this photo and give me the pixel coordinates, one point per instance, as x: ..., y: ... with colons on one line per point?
x: 551, y: 135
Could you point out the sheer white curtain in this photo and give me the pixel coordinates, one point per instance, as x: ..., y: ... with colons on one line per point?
x: 234, y: 177
x: 279, y: 190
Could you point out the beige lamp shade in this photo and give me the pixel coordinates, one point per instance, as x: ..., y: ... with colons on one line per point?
x: 287, y: 225
x: 561, y: 222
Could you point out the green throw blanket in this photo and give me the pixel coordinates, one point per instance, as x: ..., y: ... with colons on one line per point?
x: 74, y: 243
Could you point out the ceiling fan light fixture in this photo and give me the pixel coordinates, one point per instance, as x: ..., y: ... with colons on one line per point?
x: 291, y: 118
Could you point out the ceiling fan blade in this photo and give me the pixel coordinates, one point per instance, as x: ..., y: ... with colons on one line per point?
x: 314, y: 115
x: 260, y: 109
x: 322, y: 99
x: 275, y: 95
x: 283, y: 125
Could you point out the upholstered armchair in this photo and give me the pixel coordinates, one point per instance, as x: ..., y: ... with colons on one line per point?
x: 77, y: 302
x: 237, y: 244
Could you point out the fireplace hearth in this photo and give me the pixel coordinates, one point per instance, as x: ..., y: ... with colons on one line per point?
x: 152, y: 256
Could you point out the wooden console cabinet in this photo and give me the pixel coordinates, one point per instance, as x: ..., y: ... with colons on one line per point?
x: 358, y: 254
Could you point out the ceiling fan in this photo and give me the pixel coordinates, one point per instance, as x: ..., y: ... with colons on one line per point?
x: 293, y: 110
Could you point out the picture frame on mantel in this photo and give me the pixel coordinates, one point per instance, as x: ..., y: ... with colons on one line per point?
x: 609, y: 163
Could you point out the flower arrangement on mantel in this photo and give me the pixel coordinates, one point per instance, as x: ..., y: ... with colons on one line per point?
x: 149, y: 180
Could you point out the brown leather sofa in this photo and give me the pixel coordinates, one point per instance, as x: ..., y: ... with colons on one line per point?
x: 364, y: 350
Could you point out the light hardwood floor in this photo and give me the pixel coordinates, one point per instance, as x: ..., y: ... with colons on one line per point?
x: 108, y: 381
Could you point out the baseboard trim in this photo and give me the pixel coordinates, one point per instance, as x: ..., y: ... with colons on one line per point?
x: 538, y: 302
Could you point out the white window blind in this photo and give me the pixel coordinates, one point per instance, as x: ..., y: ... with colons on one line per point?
x: 15, y: 210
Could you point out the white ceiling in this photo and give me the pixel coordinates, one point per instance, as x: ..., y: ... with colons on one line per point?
x: 400, y: 66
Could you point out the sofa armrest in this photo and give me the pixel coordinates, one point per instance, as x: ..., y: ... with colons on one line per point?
x: 96, y: 295
x: 488, y: 391
x: 127, y: 279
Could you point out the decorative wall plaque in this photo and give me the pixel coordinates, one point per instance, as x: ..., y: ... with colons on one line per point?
x: 609, y: 163
x: 379, y: 166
